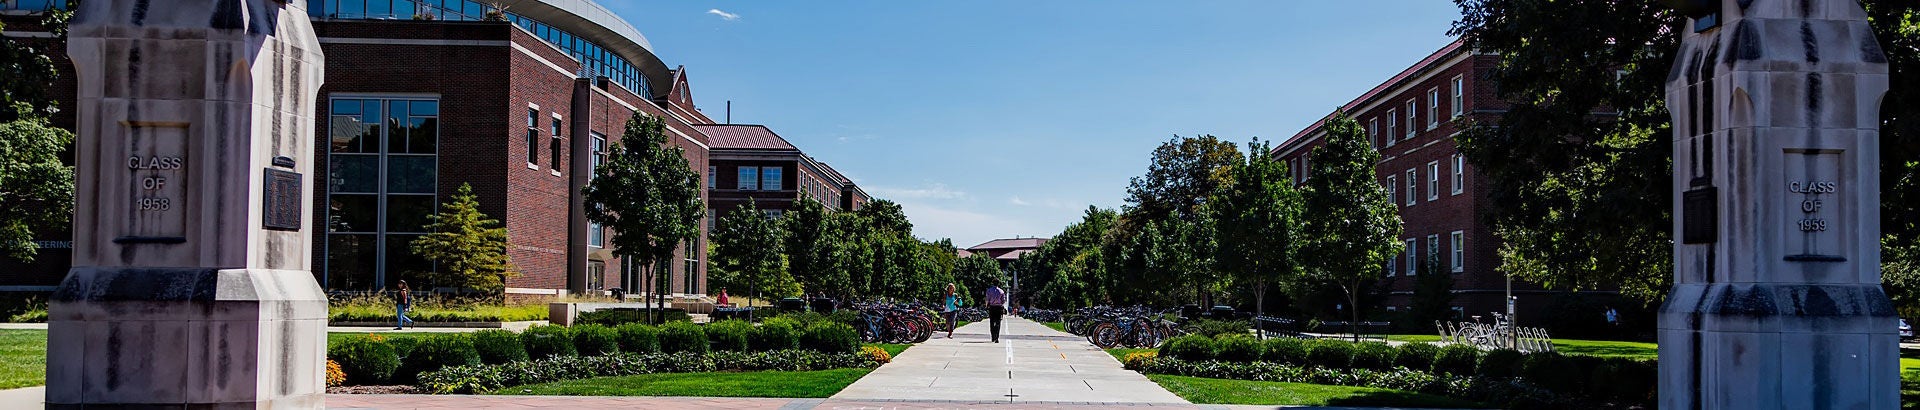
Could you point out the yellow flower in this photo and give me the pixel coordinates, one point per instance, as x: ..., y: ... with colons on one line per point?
x: 335, y: 376
x: 876, y: 354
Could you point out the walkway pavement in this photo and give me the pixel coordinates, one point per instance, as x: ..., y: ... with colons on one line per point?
x: 1031, y: 364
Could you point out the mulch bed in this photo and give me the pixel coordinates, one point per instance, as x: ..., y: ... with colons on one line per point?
x: 373, y: 390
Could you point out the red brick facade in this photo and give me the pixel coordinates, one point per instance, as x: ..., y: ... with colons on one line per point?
x: 1437, y: 210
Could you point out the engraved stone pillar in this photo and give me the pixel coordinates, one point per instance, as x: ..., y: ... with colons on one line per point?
x: 1776, y: 302
x: 191, y: 283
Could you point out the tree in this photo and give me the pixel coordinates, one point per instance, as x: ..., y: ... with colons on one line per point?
x: 1066, y: 271
x: 468, y: 248
x: 1259, y: 224
x: 1432, y: 293
x: 746, y: 254
x: 36, y: 189
x: 1584, y: 201
x: 1353, y: 229
x: 648, y: 195
x: 977, y: 273
x: 1170, y: 198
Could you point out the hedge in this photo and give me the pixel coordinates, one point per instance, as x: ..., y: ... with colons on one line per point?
x: 497, y: 346
x: 830, y: 337
x: 434, y: 352
x: 1189, y: 347
x: 679, y: 337
x: 729, y: 335
x: 775, y: 334
x: 595, y: 340
x: 638, y: 338
x: 1238, y: 348
x: 548, y: 341
x: 487, y: 378
x: 1417, y: 356
x: 365, y: 359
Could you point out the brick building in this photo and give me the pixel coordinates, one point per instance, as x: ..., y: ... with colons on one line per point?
x: 1410, y: 119
x: 751, y: 162
x: 422, y: 97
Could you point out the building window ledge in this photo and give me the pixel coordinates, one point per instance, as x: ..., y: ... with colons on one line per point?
x: 533, y: 166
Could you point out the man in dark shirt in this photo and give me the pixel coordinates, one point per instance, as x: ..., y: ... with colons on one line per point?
x: 996, y: 307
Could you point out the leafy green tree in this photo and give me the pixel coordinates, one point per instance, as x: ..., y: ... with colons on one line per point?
x: 26, y: 70
x: 1259, y: 224
x: 1353, y: 229
x: 648, y: 195
x: 1584, y: 201
x: 36, y: 189
x: 1067, y: 270
x: 1185, y: 173
x: 1432, y: 294
x: 979, y: 272
x: 746, y: 254
x: 468, y: 248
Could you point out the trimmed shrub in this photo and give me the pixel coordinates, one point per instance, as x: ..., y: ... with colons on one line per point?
x: 775, y: 334
x: 1556, y: 372
x: 638, y: 338
x: 1373, y: 356
x: 1457, y: 359
x: 1632, y: 381
x: 1286, y: 350
x: 496, y: 346
x: 1333, y: 354
x: 1417, y: 356
x: 729, y: 335
x: 1500, y: 364
x: 434, y: 352
x: 486, y: 378
x: 679, y: 337
x: 548, y: 341
x: 403, y: 345
x: 595, y: 340
x: 365, y: 359
x: 617, y: 317
x: 1238, y: 348
x: 1215, y: 328
x: 830, y: 337
x: 847, y: 317
x: 1191, y: 348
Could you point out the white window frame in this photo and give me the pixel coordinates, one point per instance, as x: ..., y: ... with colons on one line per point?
x: 1393, y: 126
x: 778, y: 182
x: 1413, y: 186
x: 1459, y: 177
x: 1393, y: 189
x: 1433, y: 181
x: 1413, y: 119
x: 533, y: 136
x: 1373, y: 132
x: 1412, y: 252
x: 1459, y: 95
x: 1433, y: 108
x: 747, y: 184
x: 1459, y: 258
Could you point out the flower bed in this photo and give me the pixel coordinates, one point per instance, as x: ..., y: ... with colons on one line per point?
x: 487, y: 378
x: 1502, y: 377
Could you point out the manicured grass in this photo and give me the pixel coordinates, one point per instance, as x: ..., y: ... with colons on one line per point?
x: 1223, y: 391
x: 334, y: 338
x: 1121, y: 353
x: 892, y: 349
x: 375, y: 311
x: 1060, y: 326
x: 813, y: 384
x: 1601, y: 348
x: 23, y: 358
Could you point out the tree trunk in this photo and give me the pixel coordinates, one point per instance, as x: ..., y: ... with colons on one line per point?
x: 1353, y: 307
x: 1259, y: 306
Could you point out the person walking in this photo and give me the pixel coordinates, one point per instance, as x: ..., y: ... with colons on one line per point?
x: 951, y: 310
x: 996, y: 307
x: 401, y: 301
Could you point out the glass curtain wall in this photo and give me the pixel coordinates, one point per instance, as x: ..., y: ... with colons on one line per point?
x: 595, y: 59
x: 381, y: 179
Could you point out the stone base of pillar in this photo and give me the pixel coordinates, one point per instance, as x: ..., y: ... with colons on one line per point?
x: 186, y: 337
x: 1779, y: 346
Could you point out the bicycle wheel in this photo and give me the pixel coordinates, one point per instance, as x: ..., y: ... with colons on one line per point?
x: 923, y: 328
x: 1105, y: 335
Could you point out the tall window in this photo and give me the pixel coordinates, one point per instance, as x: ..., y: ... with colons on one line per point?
x: 713, y: 176
x: 1433, y: 108
x: 596, y: 234
x: 599, y: 150
x: 596, y: 274
x: 1459, y: 171
x: 382, y: 174
x: 1433, y: 247
x: 1433, y: 180
x: 1373, y: 132
x: 770, y: 178
x: 1459, y: 95
x: 1413, y: 250
x: 1413, y: 187
x: 1413, y: 111
x: 1393, y: 265
x: 749, y: 179
x: 533, y: 138
x: 1459, y: 259
x: 555, y: 145
x: 1393, y: 188
x: 693, y: 267
x: 1393, y: 125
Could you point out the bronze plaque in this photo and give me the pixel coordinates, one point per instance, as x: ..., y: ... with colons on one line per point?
x: 281, y: 202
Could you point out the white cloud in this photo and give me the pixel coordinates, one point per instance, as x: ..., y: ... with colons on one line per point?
x: 723, y: 15
x: 1017, y: 201
x: 935, y: 191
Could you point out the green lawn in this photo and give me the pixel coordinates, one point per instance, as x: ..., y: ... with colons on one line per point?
x: 335, y: 337
x: 892, y: 349
x: 1223, y: 391
x: 813, y: 384
x: 1060, y: 326
x: 23, y: 358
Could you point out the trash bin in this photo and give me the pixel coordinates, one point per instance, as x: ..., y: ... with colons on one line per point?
x: 823, y: 305
x: 793, y: 305
x: 1222, y: 313
x: 1189, y: 311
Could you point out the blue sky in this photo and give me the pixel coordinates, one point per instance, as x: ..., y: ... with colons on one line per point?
x: 991, y: 119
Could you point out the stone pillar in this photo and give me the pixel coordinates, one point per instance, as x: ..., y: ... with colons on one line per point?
x: 192, y: 282
x: 1776, y: 302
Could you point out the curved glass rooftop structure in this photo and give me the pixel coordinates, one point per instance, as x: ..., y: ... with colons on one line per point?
x: 605, y: 45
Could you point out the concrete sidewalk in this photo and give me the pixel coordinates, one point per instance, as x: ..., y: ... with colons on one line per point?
x: 1031, y: 364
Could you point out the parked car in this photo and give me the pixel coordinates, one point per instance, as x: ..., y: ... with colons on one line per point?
x: 1906, y: 332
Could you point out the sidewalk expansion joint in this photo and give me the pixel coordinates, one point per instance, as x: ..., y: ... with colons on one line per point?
x: 1089, y: 385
